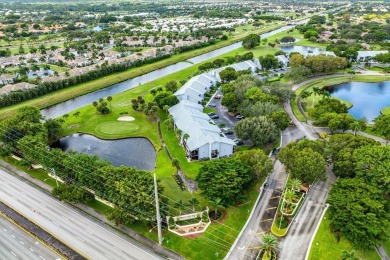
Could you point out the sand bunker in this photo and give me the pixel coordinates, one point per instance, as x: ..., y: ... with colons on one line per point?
x: 126, y: 118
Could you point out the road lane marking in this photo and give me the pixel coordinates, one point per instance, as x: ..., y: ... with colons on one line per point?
x: 13, y: 253
x: 42, y: 257
x: 271, y: 208
x: 108, y: 256
x: 43, y: 205
x: 267, y: 220
x: 89, y: 232
x: 32, y: 250
x: 5, y: 229
x: 79, y: 238
x: 55, y: 224
x: 21, y: 242
x: 13, y: 236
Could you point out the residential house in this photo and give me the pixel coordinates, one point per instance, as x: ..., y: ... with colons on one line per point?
x: 7, y: 79
x: 283, y: 60
x: 205, y: 139
x: 15, y: 87
x: 196, y: 87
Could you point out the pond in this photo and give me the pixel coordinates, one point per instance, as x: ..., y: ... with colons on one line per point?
x: 75, y: 103
x: 367, y: 98
x: 304, y: 50
x: 136, y: 152
x: 41, y: 73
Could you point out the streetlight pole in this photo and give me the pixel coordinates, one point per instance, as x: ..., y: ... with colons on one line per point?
x: 55, y: 175
x: 158, y: 217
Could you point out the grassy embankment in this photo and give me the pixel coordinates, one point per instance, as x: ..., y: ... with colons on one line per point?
x: 325, y: 245
x: 84, y: 88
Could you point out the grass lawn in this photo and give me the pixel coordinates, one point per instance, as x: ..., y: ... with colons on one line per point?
x: 386, y: 245
x: 386, y: 110
x: 325, y: 245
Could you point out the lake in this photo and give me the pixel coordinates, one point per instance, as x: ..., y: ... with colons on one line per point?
x: 368, y: 98
x: 136, y: 152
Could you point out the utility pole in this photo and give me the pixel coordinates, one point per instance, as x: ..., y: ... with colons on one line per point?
x: 158, y: 217
x: 55, y: 175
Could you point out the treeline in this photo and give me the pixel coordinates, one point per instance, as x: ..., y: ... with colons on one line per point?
x: 359, y: 205
x: 194, y: 46
x: 84, y: 176
x: 225, y: 61
x: 44, y: 88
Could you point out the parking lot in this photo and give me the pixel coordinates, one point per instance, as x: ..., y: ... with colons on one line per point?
x: 224, y: 118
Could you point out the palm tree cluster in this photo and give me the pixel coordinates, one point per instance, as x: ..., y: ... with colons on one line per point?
x: 101, y: 106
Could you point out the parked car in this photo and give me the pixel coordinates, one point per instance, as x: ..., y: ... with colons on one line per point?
x: 275, y: 151
x: 211, y: 114
x: 227, y: 131
x: 217, y: 97
x: 212, y: 105
x: 238, y: 141
x: 214, y: 117
x: 239, y: 117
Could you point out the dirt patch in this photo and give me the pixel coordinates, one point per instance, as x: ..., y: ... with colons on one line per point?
x: 126, y: 118
x: 193, y: 235
x: 73, y: 126
x: 220, y: 221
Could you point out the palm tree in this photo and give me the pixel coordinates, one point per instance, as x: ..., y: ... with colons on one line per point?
x: 180, y: 205
x: 326, y: 94
x: 186, y: 136
x: 193, y: 203
x: 305, y: 94
x: 169, y: 122
x: 345, y: 255
x: 109, y: 99
x: 294, y: 184
x: 217, y: 204
x: 165, y: 108
x: 178, y: 132
x: 316, y: 91
x: 269, y: 245
x: 289, y: 197
x: 65, y: 116
x: 175, y: 162
x: 95, y: 104
x: 355, y: 126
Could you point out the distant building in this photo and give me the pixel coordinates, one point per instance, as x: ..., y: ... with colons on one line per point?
x: 283, y: 60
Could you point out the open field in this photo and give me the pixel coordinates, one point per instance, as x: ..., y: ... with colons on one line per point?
x: 325, y: 245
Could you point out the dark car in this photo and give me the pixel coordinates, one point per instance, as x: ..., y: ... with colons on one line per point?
x: 214, y: 117
x: 211, y: 114
x: 217, y: 97
x: 238, y: 141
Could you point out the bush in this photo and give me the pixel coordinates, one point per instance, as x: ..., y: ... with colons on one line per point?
x: 281, y: 222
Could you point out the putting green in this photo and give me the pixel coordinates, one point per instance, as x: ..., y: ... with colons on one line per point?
x: 116, y: 128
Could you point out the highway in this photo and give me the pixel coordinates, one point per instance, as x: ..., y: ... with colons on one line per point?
x: 17, y: 244
x: 89, y: 237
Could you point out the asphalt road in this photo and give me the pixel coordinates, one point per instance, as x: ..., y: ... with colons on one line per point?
x: 296, y: 243
x: 246, y: 247
x: 89, y: 237
x: 17, y: 244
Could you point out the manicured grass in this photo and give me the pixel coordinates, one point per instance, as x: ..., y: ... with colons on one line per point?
x: 386, y: 245
x: 191, y: 169
x: 39, y: 174
x: 386, y: 110
x: 209, y: 110
x: 325, y: 245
